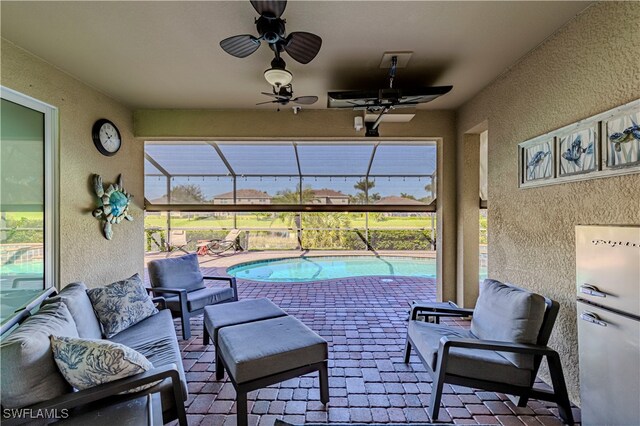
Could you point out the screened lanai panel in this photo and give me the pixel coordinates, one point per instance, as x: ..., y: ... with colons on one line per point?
x: 150, y: 169
x: 317, y: 159
x: 396, y: 159
x: 267, y: 190
x: 332, y: 190
x: 201, y: 190
x: 260, y: 159
x: 187, y: 158
x: 155, y: 189
x: 401, y: 191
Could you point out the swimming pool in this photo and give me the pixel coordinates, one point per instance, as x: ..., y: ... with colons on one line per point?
x: 301, y: 269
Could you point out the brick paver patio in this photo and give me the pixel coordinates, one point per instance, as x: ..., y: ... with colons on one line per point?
x: 364, y: 321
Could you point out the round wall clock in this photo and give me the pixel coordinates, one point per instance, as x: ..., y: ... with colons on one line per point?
x: 106, y: 137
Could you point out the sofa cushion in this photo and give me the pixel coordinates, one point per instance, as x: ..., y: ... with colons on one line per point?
x: 155, y: 338
x: 262, y: 348
x: 178, y: 272
x: 86, y: 363
x: 509, y: 314
x: 198, y: 299
x: 29, y: 374
x: 475, y: 363
x: 122, y: 304
x: 75, y: 296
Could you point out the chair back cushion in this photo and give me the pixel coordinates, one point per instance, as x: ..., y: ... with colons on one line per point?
x: 509, y: 314
x: 177, y: 272
x: 75, y: 296
x: 28, y: 371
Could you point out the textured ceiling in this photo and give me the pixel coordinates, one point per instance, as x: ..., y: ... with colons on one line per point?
x: 166, y: 54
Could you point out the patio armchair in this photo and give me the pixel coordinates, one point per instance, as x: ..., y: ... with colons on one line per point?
x: 180, y: 281
x: 502, y: 351
x: 177, y: 242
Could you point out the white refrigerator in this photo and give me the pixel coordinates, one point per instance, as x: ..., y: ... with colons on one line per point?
x: 608, y: 312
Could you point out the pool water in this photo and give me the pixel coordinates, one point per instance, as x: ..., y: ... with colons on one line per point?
x: 300, y: 269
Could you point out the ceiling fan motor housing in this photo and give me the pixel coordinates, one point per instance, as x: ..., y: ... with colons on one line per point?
x: 271, y: 30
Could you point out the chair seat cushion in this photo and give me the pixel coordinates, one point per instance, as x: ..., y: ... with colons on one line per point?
x: 241, y: 312
x: 155, y: 338
x: 473, y: 363
x: 263, y: 348
x: 198, y: 299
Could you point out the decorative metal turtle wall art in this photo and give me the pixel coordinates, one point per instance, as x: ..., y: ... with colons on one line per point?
x: 113, y: 204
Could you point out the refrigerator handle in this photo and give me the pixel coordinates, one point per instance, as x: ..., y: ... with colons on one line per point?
x: 592, y: 290
x: 592, y: 318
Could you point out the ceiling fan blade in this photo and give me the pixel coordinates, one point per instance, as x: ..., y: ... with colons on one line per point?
x: 302, y: 46
x: 305, y: 100
x: 269, y: 8
x: 273, y: 95
x: 240, y: 46
x: 267, y: 102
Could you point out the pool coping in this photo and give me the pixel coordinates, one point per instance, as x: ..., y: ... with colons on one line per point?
x: 232, y: 259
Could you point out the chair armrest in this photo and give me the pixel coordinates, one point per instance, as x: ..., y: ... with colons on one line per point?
x: 111, y: 389
x: 493, y: 345
x: 232, y: 283
x: 181, y: 292
x: 438, y: 311
x: 178, y: 291
x: 161, y: 301
x: 219, y: 278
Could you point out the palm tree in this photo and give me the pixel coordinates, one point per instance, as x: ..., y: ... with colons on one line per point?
x: 364, y: 186
x: 292, y: 197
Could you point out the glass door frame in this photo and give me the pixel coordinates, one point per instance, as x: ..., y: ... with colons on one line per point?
x: 51, y: 180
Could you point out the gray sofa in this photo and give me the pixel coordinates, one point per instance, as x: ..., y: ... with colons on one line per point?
x: 30, y: 378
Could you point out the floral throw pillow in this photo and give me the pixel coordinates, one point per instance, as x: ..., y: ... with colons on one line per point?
x: 120, y: 305
x: 86, y: 363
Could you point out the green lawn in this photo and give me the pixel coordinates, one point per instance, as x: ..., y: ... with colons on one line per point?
x: 25, y: 215
x: 253, y: 221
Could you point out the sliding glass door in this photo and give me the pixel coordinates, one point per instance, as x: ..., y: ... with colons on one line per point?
x: 26, y: 195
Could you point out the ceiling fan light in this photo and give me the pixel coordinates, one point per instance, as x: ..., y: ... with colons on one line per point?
x: 278, y: 77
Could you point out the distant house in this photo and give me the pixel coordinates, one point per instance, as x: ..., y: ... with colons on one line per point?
x: 160, y: 200
x: 243, y: 196
x: 329, y: 196
x: 396, y: 200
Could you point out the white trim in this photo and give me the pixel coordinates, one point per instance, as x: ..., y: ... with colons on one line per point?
x: 51, y: 179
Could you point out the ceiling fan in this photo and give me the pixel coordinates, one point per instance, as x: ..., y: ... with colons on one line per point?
x: 284, y: 94
x: 384, y: 100
x: 301, y: 46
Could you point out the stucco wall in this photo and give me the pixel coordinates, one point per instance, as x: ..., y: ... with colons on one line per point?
x: 175, y: 124
x: 587, y: 67
x: 84, y: 253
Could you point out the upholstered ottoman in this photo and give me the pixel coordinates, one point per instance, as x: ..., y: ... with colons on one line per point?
x: 261, y: 353
x: 234, y: 313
